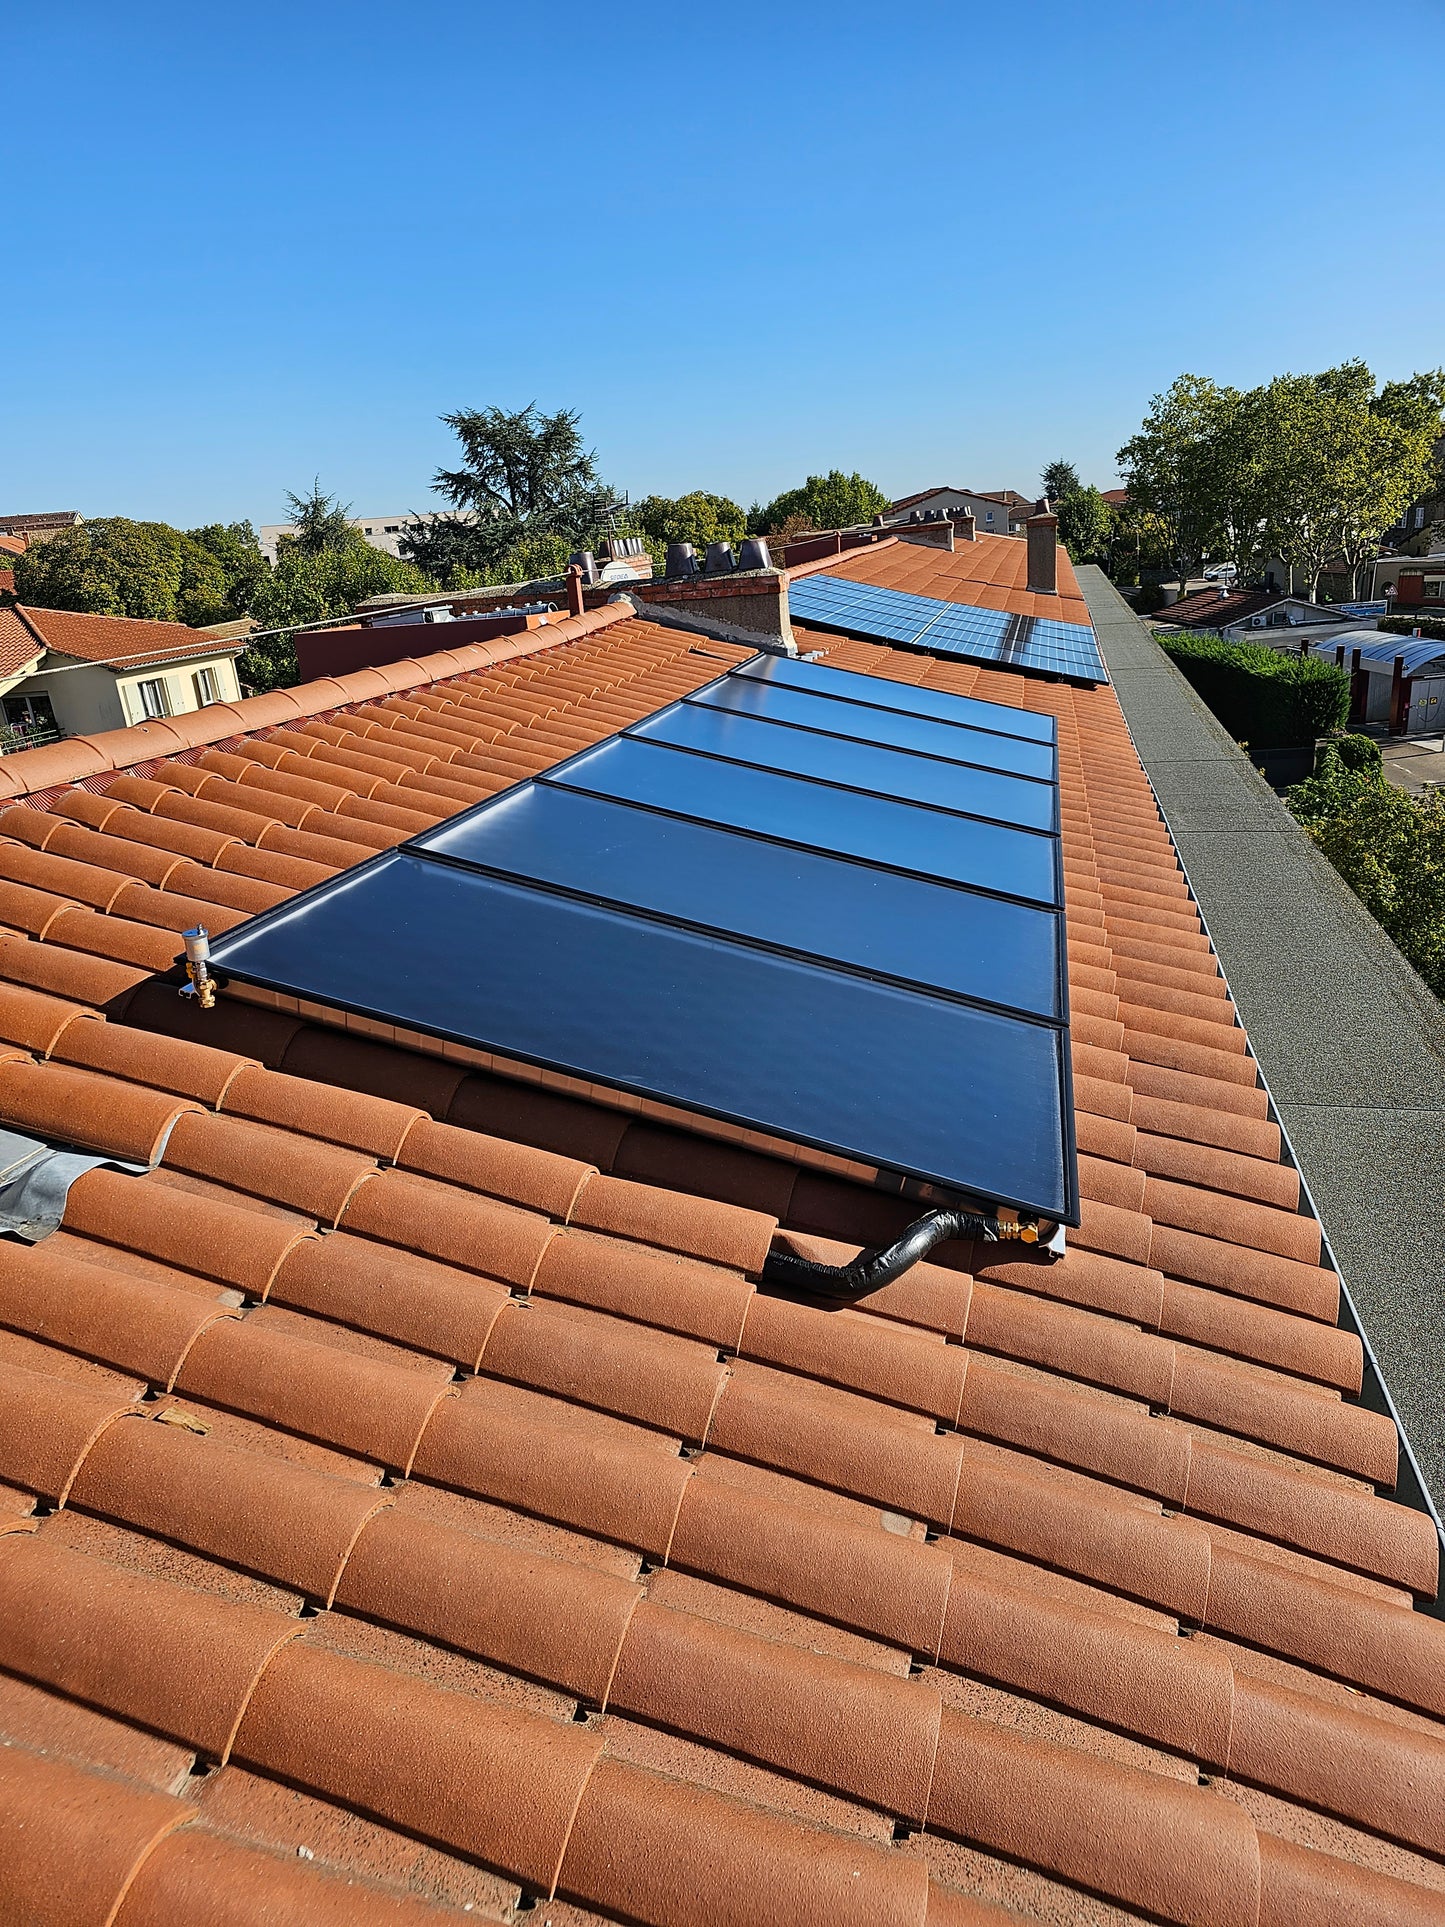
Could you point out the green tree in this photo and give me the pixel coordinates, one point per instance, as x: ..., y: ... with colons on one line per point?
x: 698, y: 517
x: 320, y: 521
x: 1085, y: 524
x: 1389, y: 848
x: 1171, y: 469
x: 314, y: 586
x: 523, y: 475
x: 243, y: 566
x: 831, y: 501
x: 117, y: 567
x: 1060, y: 479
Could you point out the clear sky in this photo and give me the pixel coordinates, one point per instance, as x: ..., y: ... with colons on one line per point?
x: 246, y: 246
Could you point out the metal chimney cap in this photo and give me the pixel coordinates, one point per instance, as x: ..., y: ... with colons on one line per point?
x: 681, y: 559
x: 755, y: 554
x: 720, y: 558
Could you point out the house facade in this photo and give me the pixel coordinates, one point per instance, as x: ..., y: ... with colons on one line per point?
x: 1001, y: 512
x: 67, y: 674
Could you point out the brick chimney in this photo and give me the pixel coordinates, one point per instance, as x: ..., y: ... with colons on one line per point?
x: 1043, y: 539
x: 965, y: 527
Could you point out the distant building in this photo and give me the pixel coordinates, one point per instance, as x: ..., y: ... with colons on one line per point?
x: 381, y: 531
x: 1252, y: 615
x: 35, y: 528
x: 64, y: 674
x: 997, y: 512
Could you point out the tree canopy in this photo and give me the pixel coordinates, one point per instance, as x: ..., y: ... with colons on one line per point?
x: 831, y: 501
x: 698, y: 517
x: 243, y: 566
x: 313, y: 586
x: 1306, y: 467
x: 1085, y: 524
x: 117, y: 567
x: 524, y: 476
x: 320, y: 521
x: 1060, y: 479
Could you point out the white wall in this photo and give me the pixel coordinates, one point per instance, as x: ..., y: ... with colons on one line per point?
x: 993, y: 518
x: 88, y: 697
x: 381, y: 531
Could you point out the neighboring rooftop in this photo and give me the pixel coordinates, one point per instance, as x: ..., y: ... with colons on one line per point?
x: 121, y: 641
x: 1218, y: 608
x: 991, y: 573
x: 45, y: 524
x: 416, y: 1504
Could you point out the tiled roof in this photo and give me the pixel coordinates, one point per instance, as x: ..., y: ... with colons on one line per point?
x: 433, y: 1507
x: 121, y: 641
x: 13, y: 544
x: 990, y: 572
x: 55, y: 519
x: 18, y: 646
x: 1208, y: 609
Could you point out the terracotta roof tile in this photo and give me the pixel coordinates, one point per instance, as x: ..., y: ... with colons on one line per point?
x: 1026, y: 1479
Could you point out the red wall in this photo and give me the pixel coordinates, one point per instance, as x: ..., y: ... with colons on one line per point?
x: 334, y: 652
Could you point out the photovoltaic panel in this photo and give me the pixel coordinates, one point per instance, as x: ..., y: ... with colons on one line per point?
x: 1038, y: 643
x: 848, y: 946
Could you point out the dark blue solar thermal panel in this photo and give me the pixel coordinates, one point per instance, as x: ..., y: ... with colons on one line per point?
x: 919, y: 1084
x: 833, y: 930
x: 884, y: 772
x: 912, y: 699
x: 885, y: 727
x: 817, y: 816
x: 851, y: 913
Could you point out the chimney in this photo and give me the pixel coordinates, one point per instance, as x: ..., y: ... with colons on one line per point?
x: 1043, y: 539
x: 575, y: 600
x: 965, y: 527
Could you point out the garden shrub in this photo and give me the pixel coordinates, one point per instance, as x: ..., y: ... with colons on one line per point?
x: 1264, y: 698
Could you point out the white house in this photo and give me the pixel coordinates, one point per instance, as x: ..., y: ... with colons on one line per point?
x: 381, y: 531
x: 1002, y: 512
x: 67, y: 674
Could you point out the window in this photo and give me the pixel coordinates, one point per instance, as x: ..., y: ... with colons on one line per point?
x: 393, y: 528
x: 208, y: 687
x: 152, y: 697
x: 1433, y: 589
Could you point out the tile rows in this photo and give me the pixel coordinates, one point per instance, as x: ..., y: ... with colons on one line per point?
x: 991, y: 572
x: 409, y: 1470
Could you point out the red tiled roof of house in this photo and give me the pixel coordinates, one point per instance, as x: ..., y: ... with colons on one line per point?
x: 990, y: 572
x: 13, y: 544
x: 18, y: 645
x: 119, y: 640
x: 1115, y: 497
x: 1211, y: 609
x: 1008, y: 496
x: 433, y: 1508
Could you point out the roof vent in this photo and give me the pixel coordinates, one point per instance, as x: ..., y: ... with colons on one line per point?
x: 755, y: 553
x: 586, y: 561
x: 720, y: 558
x: 681, y: 559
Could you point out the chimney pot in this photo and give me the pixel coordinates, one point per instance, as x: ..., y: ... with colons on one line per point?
x: 681, y: 559
x: 719, y: 558
x: 755, y: 554
x: 1042, y: 530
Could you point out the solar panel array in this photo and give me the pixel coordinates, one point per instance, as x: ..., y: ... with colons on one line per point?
x: 949, y: 628
x: 822, y: 907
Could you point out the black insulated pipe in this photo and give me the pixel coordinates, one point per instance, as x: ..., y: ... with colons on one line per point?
x: 872, y: 1269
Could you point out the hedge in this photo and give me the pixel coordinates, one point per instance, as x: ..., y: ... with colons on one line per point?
x: 1264, y: 698
x: 1407, y: 625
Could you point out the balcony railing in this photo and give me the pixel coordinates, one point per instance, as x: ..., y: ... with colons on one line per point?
x: 16, y: 736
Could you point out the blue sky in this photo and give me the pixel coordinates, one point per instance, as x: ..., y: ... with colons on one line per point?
x: 934, y: 242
